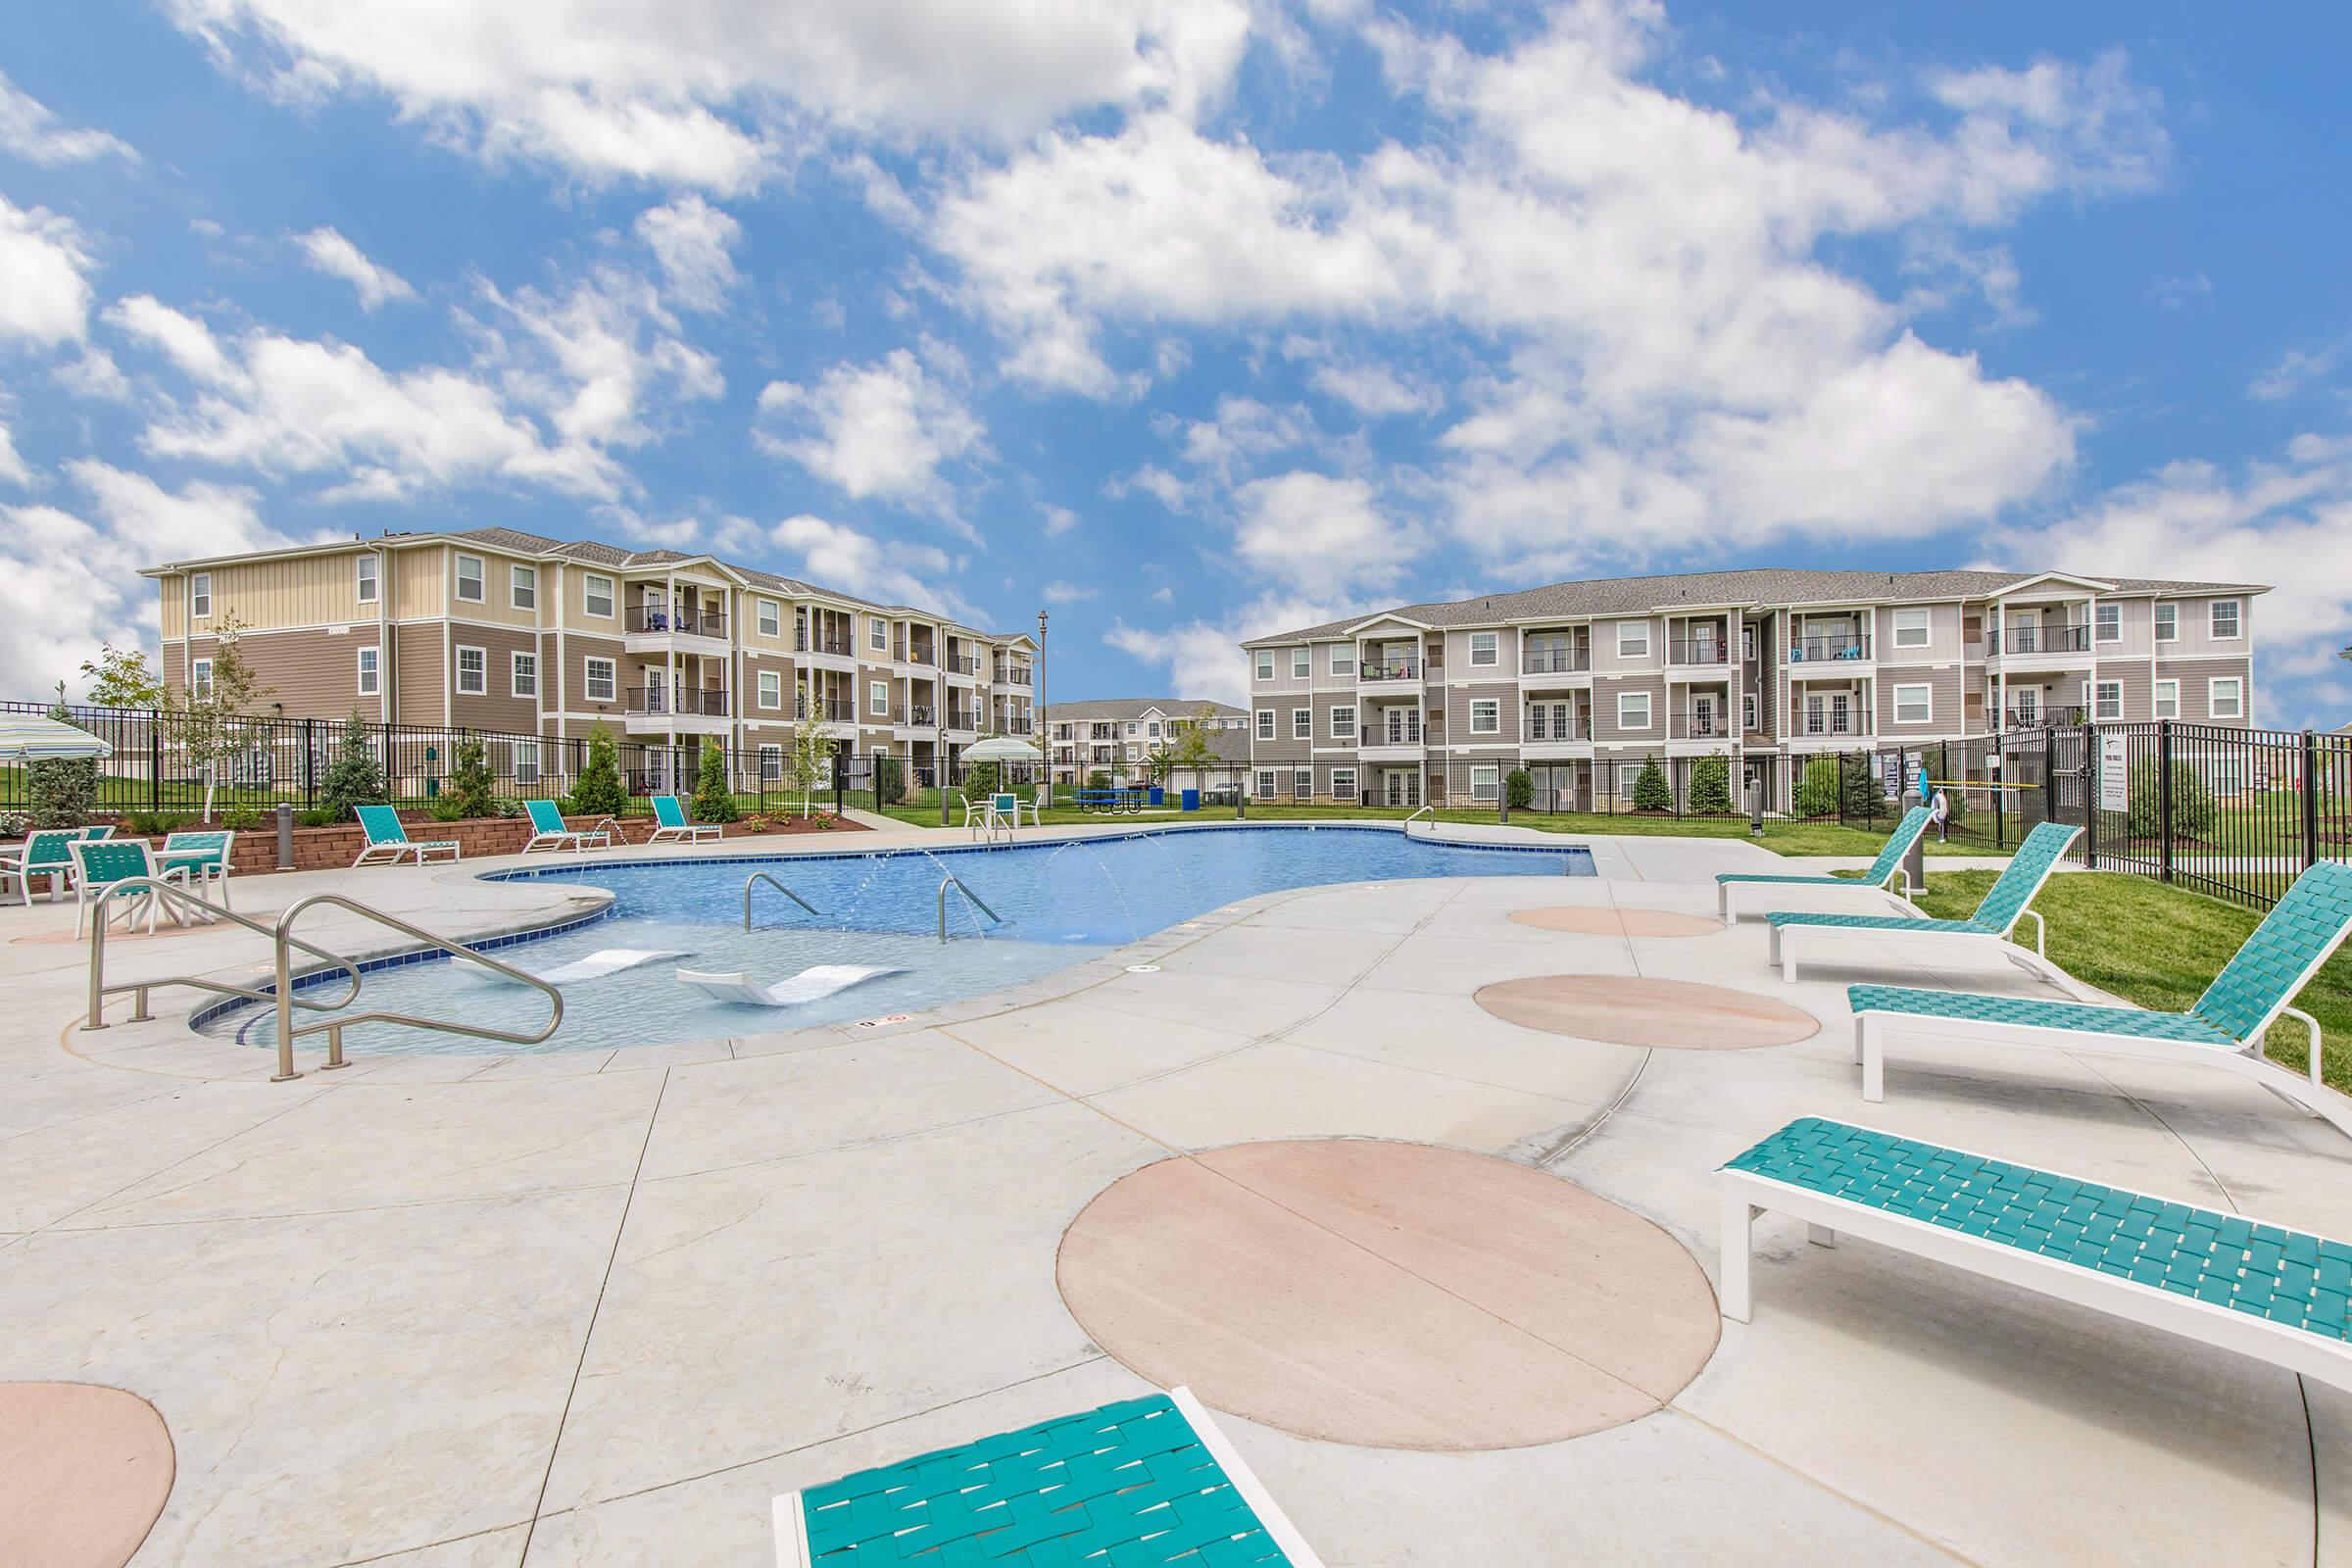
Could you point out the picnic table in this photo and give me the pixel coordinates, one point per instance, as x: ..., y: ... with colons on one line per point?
x: 1126, y: 798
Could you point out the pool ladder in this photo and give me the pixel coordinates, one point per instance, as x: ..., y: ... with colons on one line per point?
x: 282, y: 942
x: 1428, y: 811
x: 956, y: 882
x: 762, y: 876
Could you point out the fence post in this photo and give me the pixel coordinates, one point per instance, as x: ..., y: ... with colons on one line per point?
x: 2090, y: 796
x: 2311, y: 801
x: 2164, y: 800
x: 2049, y: 773
x: 310, y: 764
x: 155, y: 759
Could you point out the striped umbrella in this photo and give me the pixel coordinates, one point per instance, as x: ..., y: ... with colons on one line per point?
x: 32, y: 738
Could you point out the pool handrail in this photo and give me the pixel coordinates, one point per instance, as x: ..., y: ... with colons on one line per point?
x: 953, y: 881
x: 1423, y: 810
x: 179, y: 893
x: 762, y: 876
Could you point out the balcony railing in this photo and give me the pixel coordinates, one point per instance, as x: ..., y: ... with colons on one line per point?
x: 1847, y: 723
x: 1019, y: 726
x: 1821, y: 650
x: 1697, y: 650
x: 1541, y: 727
x: 961, y: 665
x: 914, y: 714
x: 709, y: 701
x: 2062, y: 715
x: 1403, y: 730
x: 1012, y: 675
x: 1388, y: 670
x: 2036, y: 638
x: 824, y: 644
x: 690, y: 622
x: 964, y: 718
x: 1557, y: 661
x: 831, y: 709
x: 1704, y: 725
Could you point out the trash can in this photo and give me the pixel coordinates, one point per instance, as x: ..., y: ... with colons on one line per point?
x: 1190, y: 799
x: 1159, y: 796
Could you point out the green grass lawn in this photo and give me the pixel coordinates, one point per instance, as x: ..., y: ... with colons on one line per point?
x: 2159, y: 947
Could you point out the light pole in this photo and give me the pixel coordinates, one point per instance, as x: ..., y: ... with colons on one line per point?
x: 1045, y: 731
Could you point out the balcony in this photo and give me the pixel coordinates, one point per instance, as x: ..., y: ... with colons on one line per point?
x: 963, y: 719
x: 1012, y: 675
x: 1541, y: 727
x: 831, y: 709
x: 1701, y: 724
x: 1379, y: 669
x: 1557, y: 662
x: 839, y: 647
x: 2036, y: 638
x: 1833, y: 725
x: 1697, y: 653
x: 1843, y: 648
x: 961, y: 665
x: 1398, y: 740
x: 687, y: 711
x: 2062, y: 717
x: 685, y: 623
x: 1019, y: 726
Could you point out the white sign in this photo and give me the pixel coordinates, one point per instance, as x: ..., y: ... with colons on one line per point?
x: 2114, y: 764
x: 1891, y: 775
x: 1916, y: 764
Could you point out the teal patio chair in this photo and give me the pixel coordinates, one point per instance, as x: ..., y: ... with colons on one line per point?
x: 1136, y: 1484
x: 104, y: 868
x: 549, y: 832
x: 2004, y: 904
x: 671, y: 825
x: 205, y: 857
x: 387, y: 838
x: 2222, y: 1028
x: 47, y: 851
x: 1883, y: 870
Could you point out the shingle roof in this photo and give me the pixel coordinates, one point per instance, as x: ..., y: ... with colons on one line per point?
x: 1109, y: 708
x: 1758, y: 585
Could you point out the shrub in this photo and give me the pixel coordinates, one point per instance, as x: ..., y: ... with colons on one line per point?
x: 713, y: 797
x: 1711, y: 786
x: 62, y: 791
x: 505, y: 805
x: 245, y: 818
x: 447, y: 808
x: 980, y: 779
x: 596, y: 792
x: 148, y: 824
x: 472, y: 786
x: 1650, y: 790
x: 352, y: 778
x: 756, y: 823
x: 890, y: 782
x: 1097, y: 781
x: 2192, y: 802
x: 321, y: 817
x: 1519, y: 789
x: 1817, y: 788
x: 15, y: 824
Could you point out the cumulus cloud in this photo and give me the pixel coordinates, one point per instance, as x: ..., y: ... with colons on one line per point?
x: 881, y: 430
x: 44, y: 282
x: 29, y: 131
x: 14, y: 470
x: 1067, y: 593
x: 1322, y: 536
x: 1202, y: 657
x: 331, y: 253
x: 691, y: 241
x: 894, y: 571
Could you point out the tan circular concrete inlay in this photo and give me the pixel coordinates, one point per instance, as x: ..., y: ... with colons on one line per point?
x: 84, y: 1472
x: 1596, y: 921
x: 1387, y: 1295
x: 1632, y: 1012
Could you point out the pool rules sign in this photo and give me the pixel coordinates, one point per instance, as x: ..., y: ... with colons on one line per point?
x: 2115, y: 784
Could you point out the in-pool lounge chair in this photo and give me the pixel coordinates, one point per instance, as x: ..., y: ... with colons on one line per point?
x: 2004, y: 904
x: 1134, y: 1484
x: 548, y: 831
x: 46, y: 851
x: 102, y: 870
x: 669, y: 822
x: 1883, y: 870
x: 386, y: 837
x: 2222, y: 1028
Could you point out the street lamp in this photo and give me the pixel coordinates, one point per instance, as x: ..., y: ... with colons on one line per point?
x: 1037, y: 706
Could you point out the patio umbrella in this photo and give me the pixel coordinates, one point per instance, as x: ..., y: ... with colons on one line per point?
x: 1002, y: 749
x: 32, y: 738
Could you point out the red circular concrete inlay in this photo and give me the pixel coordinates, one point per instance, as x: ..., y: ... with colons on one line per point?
x: 84, y: 1472
x: 1632, y: 1012
x: 1387, y: 1295
x: 1600, y: 921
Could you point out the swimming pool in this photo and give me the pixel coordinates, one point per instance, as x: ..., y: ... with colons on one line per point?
x: 1056, y: 903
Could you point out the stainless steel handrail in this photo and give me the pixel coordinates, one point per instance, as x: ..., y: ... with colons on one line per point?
x: 287, y: 1034
x: 1428, y: 811
x: 956, y: 882
x: 138, y: 989
x: 762, y: 876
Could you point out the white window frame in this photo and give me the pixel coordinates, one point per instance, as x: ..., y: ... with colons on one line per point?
x: 1486, y: 781
x: 879, y: 635
x: 2168, y: 695
x: 771, y: 687
x: 1337, y: 732
x: 1639, y: 652
x: 522, y: 760
x: 457, y: 671
x: 1492, y: 708
x: 1489, y: 643
x: 2237, y: 697
x: 522, y: 587
x: 1925, y: 703
x: 365, y: 581
x: 611, y: 682
x: 1301, y: 663
x: 1342, y: 658
x: 1629, y: 775
x: 519, y: 682
x: 368, y: 672
x: 1265, y: 663
x: 1748, y: 712
x: 589, y: 593
x: 1649, y: 711
x: 1343, y: 784
x: 480, y: 578
x: 1302, y: 783
x: 1265, y: 723
x: 2099, y: 700
x: 1265, y: 783
x: 771, y: 618
x: 1303, y: 724
x: 771, y: 764
x: 2099, y: 614
x: 200, y: 596
x: 2168, y: 621
x: 877, y: 695
x: 2238, y: 621
x: 1925, y: 626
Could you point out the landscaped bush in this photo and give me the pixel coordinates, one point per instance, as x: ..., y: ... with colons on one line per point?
x: 352, y: 779
x: 890, y: 782
x: 321, y: 817
x: 1711, y: 786
x: 714, y: 798
x: 1519, y: 789
x: 446, y: 808
x: 472, y: 787
x: 245, y: 818
x: 148, y: 824
x: 596, y: 792
x: 2192, y: 802
x: 62, y: 791
x: 15, y: 824
x: 1651, y: 792
x: 1817, y: 788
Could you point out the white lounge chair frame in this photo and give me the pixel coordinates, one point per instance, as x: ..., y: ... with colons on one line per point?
x: 683, y: 830
x: 581, y: 840
x: 394, y: 848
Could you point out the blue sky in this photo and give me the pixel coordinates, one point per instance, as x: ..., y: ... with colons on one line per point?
x: 1185, y: 318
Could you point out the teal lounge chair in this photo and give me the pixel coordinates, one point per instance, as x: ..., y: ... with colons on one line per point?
x: 103, y: 871
x: 2003, y: 906
x: 386, y: 837
x: 49, y: 852
x: 549, y: 832
x: 204, y: 855
x: 2222, y: 1028
x: 1883, y: 870
x: 1136, y: 1484
x: 669, y: 822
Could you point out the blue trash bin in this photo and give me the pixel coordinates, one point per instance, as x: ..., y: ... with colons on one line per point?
x: 1159, y: 796
x: 1191, y: 799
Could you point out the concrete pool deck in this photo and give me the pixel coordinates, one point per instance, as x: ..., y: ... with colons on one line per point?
x: 598, y: 1307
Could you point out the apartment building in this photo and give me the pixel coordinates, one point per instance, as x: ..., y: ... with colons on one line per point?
x: 519, y: 635
x: 1113, y: 735
x: 1580, y: 682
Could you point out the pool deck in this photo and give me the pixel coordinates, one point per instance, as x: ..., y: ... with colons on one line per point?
x: 599, y: 1307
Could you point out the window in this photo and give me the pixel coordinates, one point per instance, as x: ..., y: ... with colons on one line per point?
x: 1629, y: 774
x: 1303, y: 724
x: 771, y: 688
x: 1633, y: 638
x: 1342, y: 662
x: 596, y: 596
x: 1265, y: 783
x: 2225, y: 697
x: 1486, y: 647
x: 1343, y: 724
x: 526, y: 674
x: 771, y: 618
x: 600, y: 678
x: 2168, y: 624
x: 525, y: 759
x: 771, y: 764
x: 470, y: 579
x: 1914, y: 704
x: 200, y: 598
x: 1633, y: 710
x: 877, y: 693
x: 1911, y: 628
x: 369, y: 671
x: 1298, y: 663
x: 880, y: 635
x: 1485, y: 780
x: 1302, y: 784
x: 364, y: 571
x: 526, y: 588
x: 1265, y: 663
x: 1343, y: 784
x: 1265, y: 723
x: 474, y: 671
x: 2107, y: 623
x: 1133, y: 729
x: 2107, y: 699
x: 1747, y: 646
x: 1747, y: 712
x: 2168, y: 699
x: 1151, y: 731
x: 2222, y: 618
x: 1485, y: 716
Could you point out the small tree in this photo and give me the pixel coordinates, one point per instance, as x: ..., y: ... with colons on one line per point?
x: 2192, y: 802
x: 211, y: 727
x: 1650, y: 790
x: 472, y: 788
x: 598, y: 791
x: 1519, y: 789
x: 119, y: 678
x: 352, y: 778
x: 713, y: 795
x: 808, y: 758
x: 1192, y: 748
x: 1817, y: 788
x: 1711, y: 785
x: 62, y: 791
x: 890, y: 782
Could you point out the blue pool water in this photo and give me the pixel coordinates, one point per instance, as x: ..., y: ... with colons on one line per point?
x: 1058, y: 902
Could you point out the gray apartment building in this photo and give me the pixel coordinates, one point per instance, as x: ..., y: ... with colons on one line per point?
x: 1113, y: 735
x: 1580, y: 682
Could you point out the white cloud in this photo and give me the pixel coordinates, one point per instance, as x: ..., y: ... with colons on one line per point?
x: 1204, y: 659
x: 331, y: 253
x: 94, y: 375
x: 2296, y: 370
x: 181, y: 338
x: 28, y: 130
x: 13, y: 468
x: 603, y: 360
x: 1321, y: 536
x: 1374, y: 390
x: 44, y: 291
x: 894, y: 571
x: 1067, y: 593
x: 882, y: 430
x: 691, y: 240
x: 1153, y: 481
x: 1058, y: 520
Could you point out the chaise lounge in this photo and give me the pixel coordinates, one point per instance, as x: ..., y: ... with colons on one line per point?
x: 670, y: 823
x: 549, y: 831
x: 386, y: 837
x: 1883, y: 870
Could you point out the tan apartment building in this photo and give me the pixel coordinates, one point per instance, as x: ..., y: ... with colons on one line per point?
x: 536, y: 641
x: 1582, y: 682
x: 1114, y: 734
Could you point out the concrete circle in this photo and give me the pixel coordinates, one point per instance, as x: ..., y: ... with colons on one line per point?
x: 1387, y: 1295
x: 1632, y: 1012
x: 84, y: 1472
x: 1600, y: 921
